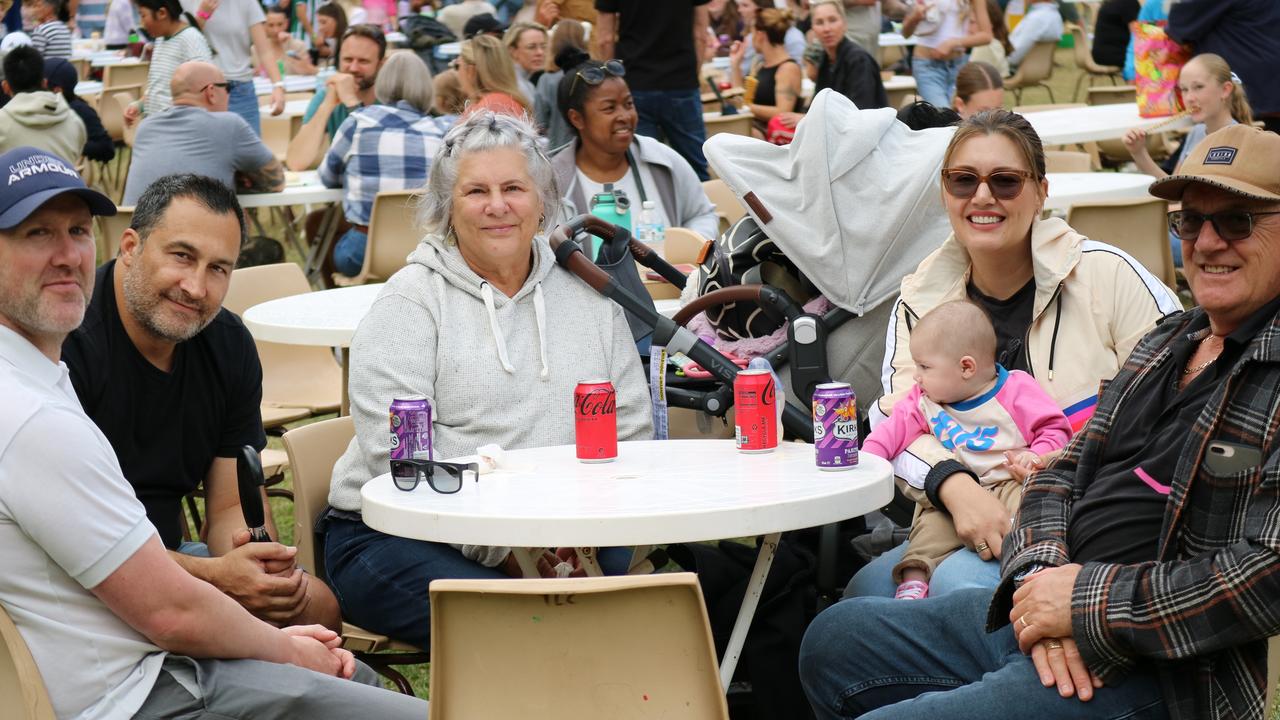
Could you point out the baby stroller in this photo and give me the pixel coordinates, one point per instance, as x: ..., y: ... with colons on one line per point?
x: 853, y: 203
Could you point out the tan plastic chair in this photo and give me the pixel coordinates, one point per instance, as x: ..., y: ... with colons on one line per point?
x: 1067, y: 161
x: 313, y: 449
x: 298, y: 381
x: 682, y: 245
x: 110, y: 229
x: 1139, y: 227
x: 739, y: 124
x: 1084, y: 60
x: 393, y: 234
x: 727, y: 205
x: 22, y: 691
x: 1273, y: 672
x: 1118, y: 95
x: 1036, y: 67
x: 574, y: 649
x: 276, y: 134
x: 115, y: 76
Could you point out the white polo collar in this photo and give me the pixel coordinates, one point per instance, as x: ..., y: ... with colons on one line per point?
x: 27, y: 359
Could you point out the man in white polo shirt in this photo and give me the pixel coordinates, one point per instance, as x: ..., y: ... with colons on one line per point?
x: 116, y: 627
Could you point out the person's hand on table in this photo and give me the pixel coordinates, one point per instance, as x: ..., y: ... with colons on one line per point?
x: 1136, y: 142
x: 1059, y: 664
x: 1042, y: 606
x: 980, y: 519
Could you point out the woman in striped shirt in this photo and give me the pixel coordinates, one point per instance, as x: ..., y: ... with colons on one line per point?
x: 176, y: 41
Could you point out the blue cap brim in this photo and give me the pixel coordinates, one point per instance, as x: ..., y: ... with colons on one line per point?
x: 98, y: 203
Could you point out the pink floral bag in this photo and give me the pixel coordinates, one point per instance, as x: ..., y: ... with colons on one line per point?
x: 1157, y: 61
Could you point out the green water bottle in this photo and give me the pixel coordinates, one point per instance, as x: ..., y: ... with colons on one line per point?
x: 613, y: 206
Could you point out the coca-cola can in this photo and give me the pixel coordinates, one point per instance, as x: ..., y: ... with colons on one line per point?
x: 595, y: 421
x: 755, y: 402
x: 835, y: 426
x: 410, y: 429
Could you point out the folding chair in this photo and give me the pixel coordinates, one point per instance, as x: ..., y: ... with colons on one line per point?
x: 1139, y: 227
x: 1063, y: 161
x: 22, y: 690
x: 1084, y: 60
x: 1036, y: 67
x: 121, y: 74
x: 313, y: 449
x: 727, y: 205
x: 393, y: 234
x: 739, y: 124
x: 298, y: 381
x: 573, y: 648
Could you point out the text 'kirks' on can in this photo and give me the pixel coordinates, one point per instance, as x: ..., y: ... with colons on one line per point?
x: 595, y: 421
x: 835, y: 426
x: 755, y: 402
x: 411, y: 429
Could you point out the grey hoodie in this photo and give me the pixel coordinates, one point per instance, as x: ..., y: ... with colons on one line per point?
x: 43, y: 120
x: 496, y: 369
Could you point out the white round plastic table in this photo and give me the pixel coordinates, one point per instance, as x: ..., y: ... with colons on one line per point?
x: 656, y: 492
x: 303, y: 188
x: 1096, y: 122
x: 893, y: 39
x: 1067, y: 189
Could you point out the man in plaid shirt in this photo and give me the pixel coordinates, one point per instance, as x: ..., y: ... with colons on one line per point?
x: 1142, y: 576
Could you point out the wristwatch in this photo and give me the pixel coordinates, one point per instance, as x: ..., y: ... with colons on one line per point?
x: 1026, y: 572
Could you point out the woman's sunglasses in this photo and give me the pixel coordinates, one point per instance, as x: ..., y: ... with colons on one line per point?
x: 443, y: 477
x: 1231, y: 225
x: 595, y: 74
x: 1003, y: 184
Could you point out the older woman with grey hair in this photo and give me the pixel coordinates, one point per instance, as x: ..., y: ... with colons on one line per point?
x: 485, y: 325
x: 382, y: 147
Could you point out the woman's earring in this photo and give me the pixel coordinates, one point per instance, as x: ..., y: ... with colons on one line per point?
x: 451, y: 237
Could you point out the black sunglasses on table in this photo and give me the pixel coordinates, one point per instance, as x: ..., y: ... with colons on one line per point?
x: 1231, y: 225
x: 445, y: 478
x: 596, y: 73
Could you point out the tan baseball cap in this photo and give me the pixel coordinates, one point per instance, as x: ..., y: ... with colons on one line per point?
x: 1240, y: 159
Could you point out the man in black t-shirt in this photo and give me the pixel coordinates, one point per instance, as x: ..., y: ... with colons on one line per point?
x: 663, y: 45
x: 173, y: 381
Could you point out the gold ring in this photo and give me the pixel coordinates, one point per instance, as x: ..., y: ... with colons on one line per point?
x: 1025, y: 624
x: 1053, y: 644
x: 981, y: 548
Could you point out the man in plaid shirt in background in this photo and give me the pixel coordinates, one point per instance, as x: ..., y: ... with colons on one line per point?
x: 1142, y: 575
x: 382, y: 147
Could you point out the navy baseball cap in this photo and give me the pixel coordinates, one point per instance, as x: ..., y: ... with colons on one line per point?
x: 34, y: 177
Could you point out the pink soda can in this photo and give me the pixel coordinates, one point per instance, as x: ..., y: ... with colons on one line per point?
x: 411, y: 429
x: 835, y: 426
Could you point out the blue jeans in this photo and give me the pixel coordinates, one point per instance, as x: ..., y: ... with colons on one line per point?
x: 243, y: 101
x: 348, y: 253
x: 194, y: 549
x: 936, y: 79
x: 381, y: 580
x: 677, y: 116
x: 962, y: 570
x: 882, y: 658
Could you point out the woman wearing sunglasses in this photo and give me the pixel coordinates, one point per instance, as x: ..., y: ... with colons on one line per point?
x: 488, y: 77
x: 595, y: 99
x: 1066, y: 309
x: 484, y: 324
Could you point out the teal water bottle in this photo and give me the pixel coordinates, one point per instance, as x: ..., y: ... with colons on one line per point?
x: 612, y: 206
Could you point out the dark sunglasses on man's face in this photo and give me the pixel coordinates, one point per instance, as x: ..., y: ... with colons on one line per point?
x: 443, y: 477
x: 596, y: 74
x: 223, y: 85
x: 1002, y: 184
x: 1231, y: 225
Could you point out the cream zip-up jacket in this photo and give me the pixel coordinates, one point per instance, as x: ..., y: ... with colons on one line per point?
x: 1093, y: 304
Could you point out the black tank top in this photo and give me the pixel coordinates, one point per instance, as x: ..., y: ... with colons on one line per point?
x: 765, y: 84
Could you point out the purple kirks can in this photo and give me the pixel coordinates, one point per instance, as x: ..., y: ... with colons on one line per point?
x: 835, y: 426
x: 411, y: 429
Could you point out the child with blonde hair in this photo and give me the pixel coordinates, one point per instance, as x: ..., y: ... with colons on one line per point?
x: 989, y: 417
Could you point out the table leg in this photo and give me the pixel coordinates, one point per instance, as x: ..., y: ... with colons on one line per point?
x: 327, y: 231
x: 587, y: 556
x: 524, y: 558
x: 768, y: 547
x: 344, y: 408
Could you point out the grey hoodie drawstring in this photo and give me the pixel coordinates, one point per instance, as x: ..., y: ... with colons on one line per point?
x: 487, y: 292
x: 540, y: 310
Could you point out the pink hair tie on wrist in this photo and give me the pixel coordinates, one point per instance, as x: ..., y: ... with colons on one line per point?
x: 204, y: 14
